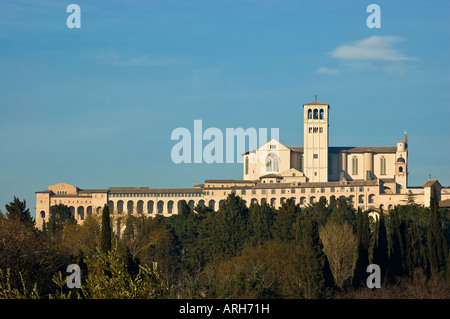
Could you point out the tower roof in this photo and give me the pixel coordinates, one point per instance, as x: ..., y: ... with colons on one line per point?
x: 315, y: 103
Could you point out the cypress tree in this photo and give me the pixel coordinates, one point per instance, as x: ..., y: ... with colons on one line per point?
x: 396, y: 244
x: 379, y: 246
x: 437, y: 244
x: 284, y: 221
x: 106, y: 233
x: 314, y: 269
x: 361, y: 260
x: 18, y: 210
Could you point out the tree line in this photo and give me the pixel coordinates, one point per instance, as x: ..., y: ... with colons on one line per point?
x: 319, y: 251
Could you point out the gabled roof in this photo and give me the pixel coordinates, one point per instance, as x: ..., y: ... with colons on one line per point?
x: 431, y: 182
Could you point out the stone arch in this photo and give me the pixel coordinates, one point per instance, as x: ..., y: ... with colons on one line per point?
x: 361, y: 199
x: 42, y: 213
x: 130, y: 207
x: 254, y: 201
x: 80, y: 213
x: 390, y: 206
x: 293, y: 199
x: 140, y: 206
x: 110, y: 206
x: 312, y: 200
x: 170, y: 207
x: 273, y: 201
x: 282, y: 200
x: 99, y: 209
x: 371, y: 198
x: 160, y: 207
x: 381, y: 207
x: 201, y: 203
x: 212, y: 204
x: 72, y: 211
x: 263, y: 201
x: 191, y: 204
x: 221, y: 202
x: 351, y: 199
x: 302, y: 200
x: 89, y: 211
x: 150, y: 207
x: 120, y: 206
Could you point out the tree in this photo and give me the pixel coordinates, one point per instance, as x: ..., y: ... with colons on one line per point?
x: 361, y: 260
x: 437, y: 244
x: 229, y: 231
x: 378, y: 252
x: 60, y: 217
x: 315, y: 278
x: 410, y: 198
x: 284, y: 220
x: 397, y: 263
x: 342, y: 212
x: 261, y: 219
x: 106, y: 232
x: 339, y: 244
x: 18, y: 210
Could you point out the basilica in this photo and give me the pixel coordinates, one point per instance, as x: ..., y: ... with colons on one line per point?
x: 370, y: 177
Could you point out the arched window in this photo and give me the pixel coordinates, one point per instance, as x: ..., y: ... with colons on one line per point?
x: 321, y: 114
x: 400, y: 169
x: 316, y: 114
x: 150, y: 207
x: 354, y: 165
x: 383, y: 165
x: 42, y: 214
x: 309, y: 114
x: 272, y: 163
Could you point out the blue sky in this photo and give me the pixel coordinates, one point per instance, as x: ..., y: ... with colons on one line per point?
x: 95, y: 107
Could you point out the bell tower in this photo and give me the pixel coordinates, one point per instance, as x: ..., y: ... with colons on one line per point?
x: 315, y: 141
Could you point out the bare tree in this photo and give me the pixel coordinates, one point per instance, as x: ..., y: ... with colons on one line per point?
x: 339, y: 244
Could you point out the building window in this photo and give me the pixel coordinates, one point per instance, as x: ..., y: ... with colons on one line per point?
x: 292, y: 190
x: 243, y: 192
x: 309, y: 115
x: 361, y: 189
x: 302, y: 190
x: 263, y: 191
x: 352, y: 189
x: 354, y: 165
x: 316, y: 114
x: 332, y: 189
x: 315, y: 155
x: 383, y: 165
x: 322, y: 190
x: 272, y: 163
x: 321, y: 114
x: 273, y: 147
x: 313, y: 190
x: 320, y: 129
x: 274, y: 191
x: 253, y: 191
x: 343, y: 189
x: 283, y: 191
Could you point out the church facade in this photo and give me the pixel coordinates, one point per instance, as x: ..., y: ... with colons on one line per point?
x: 371, y: 177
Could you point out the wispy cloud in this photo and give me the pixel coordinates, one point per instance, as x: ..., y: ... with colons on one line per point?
x: 324, y: 70
x: 372, y: 48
